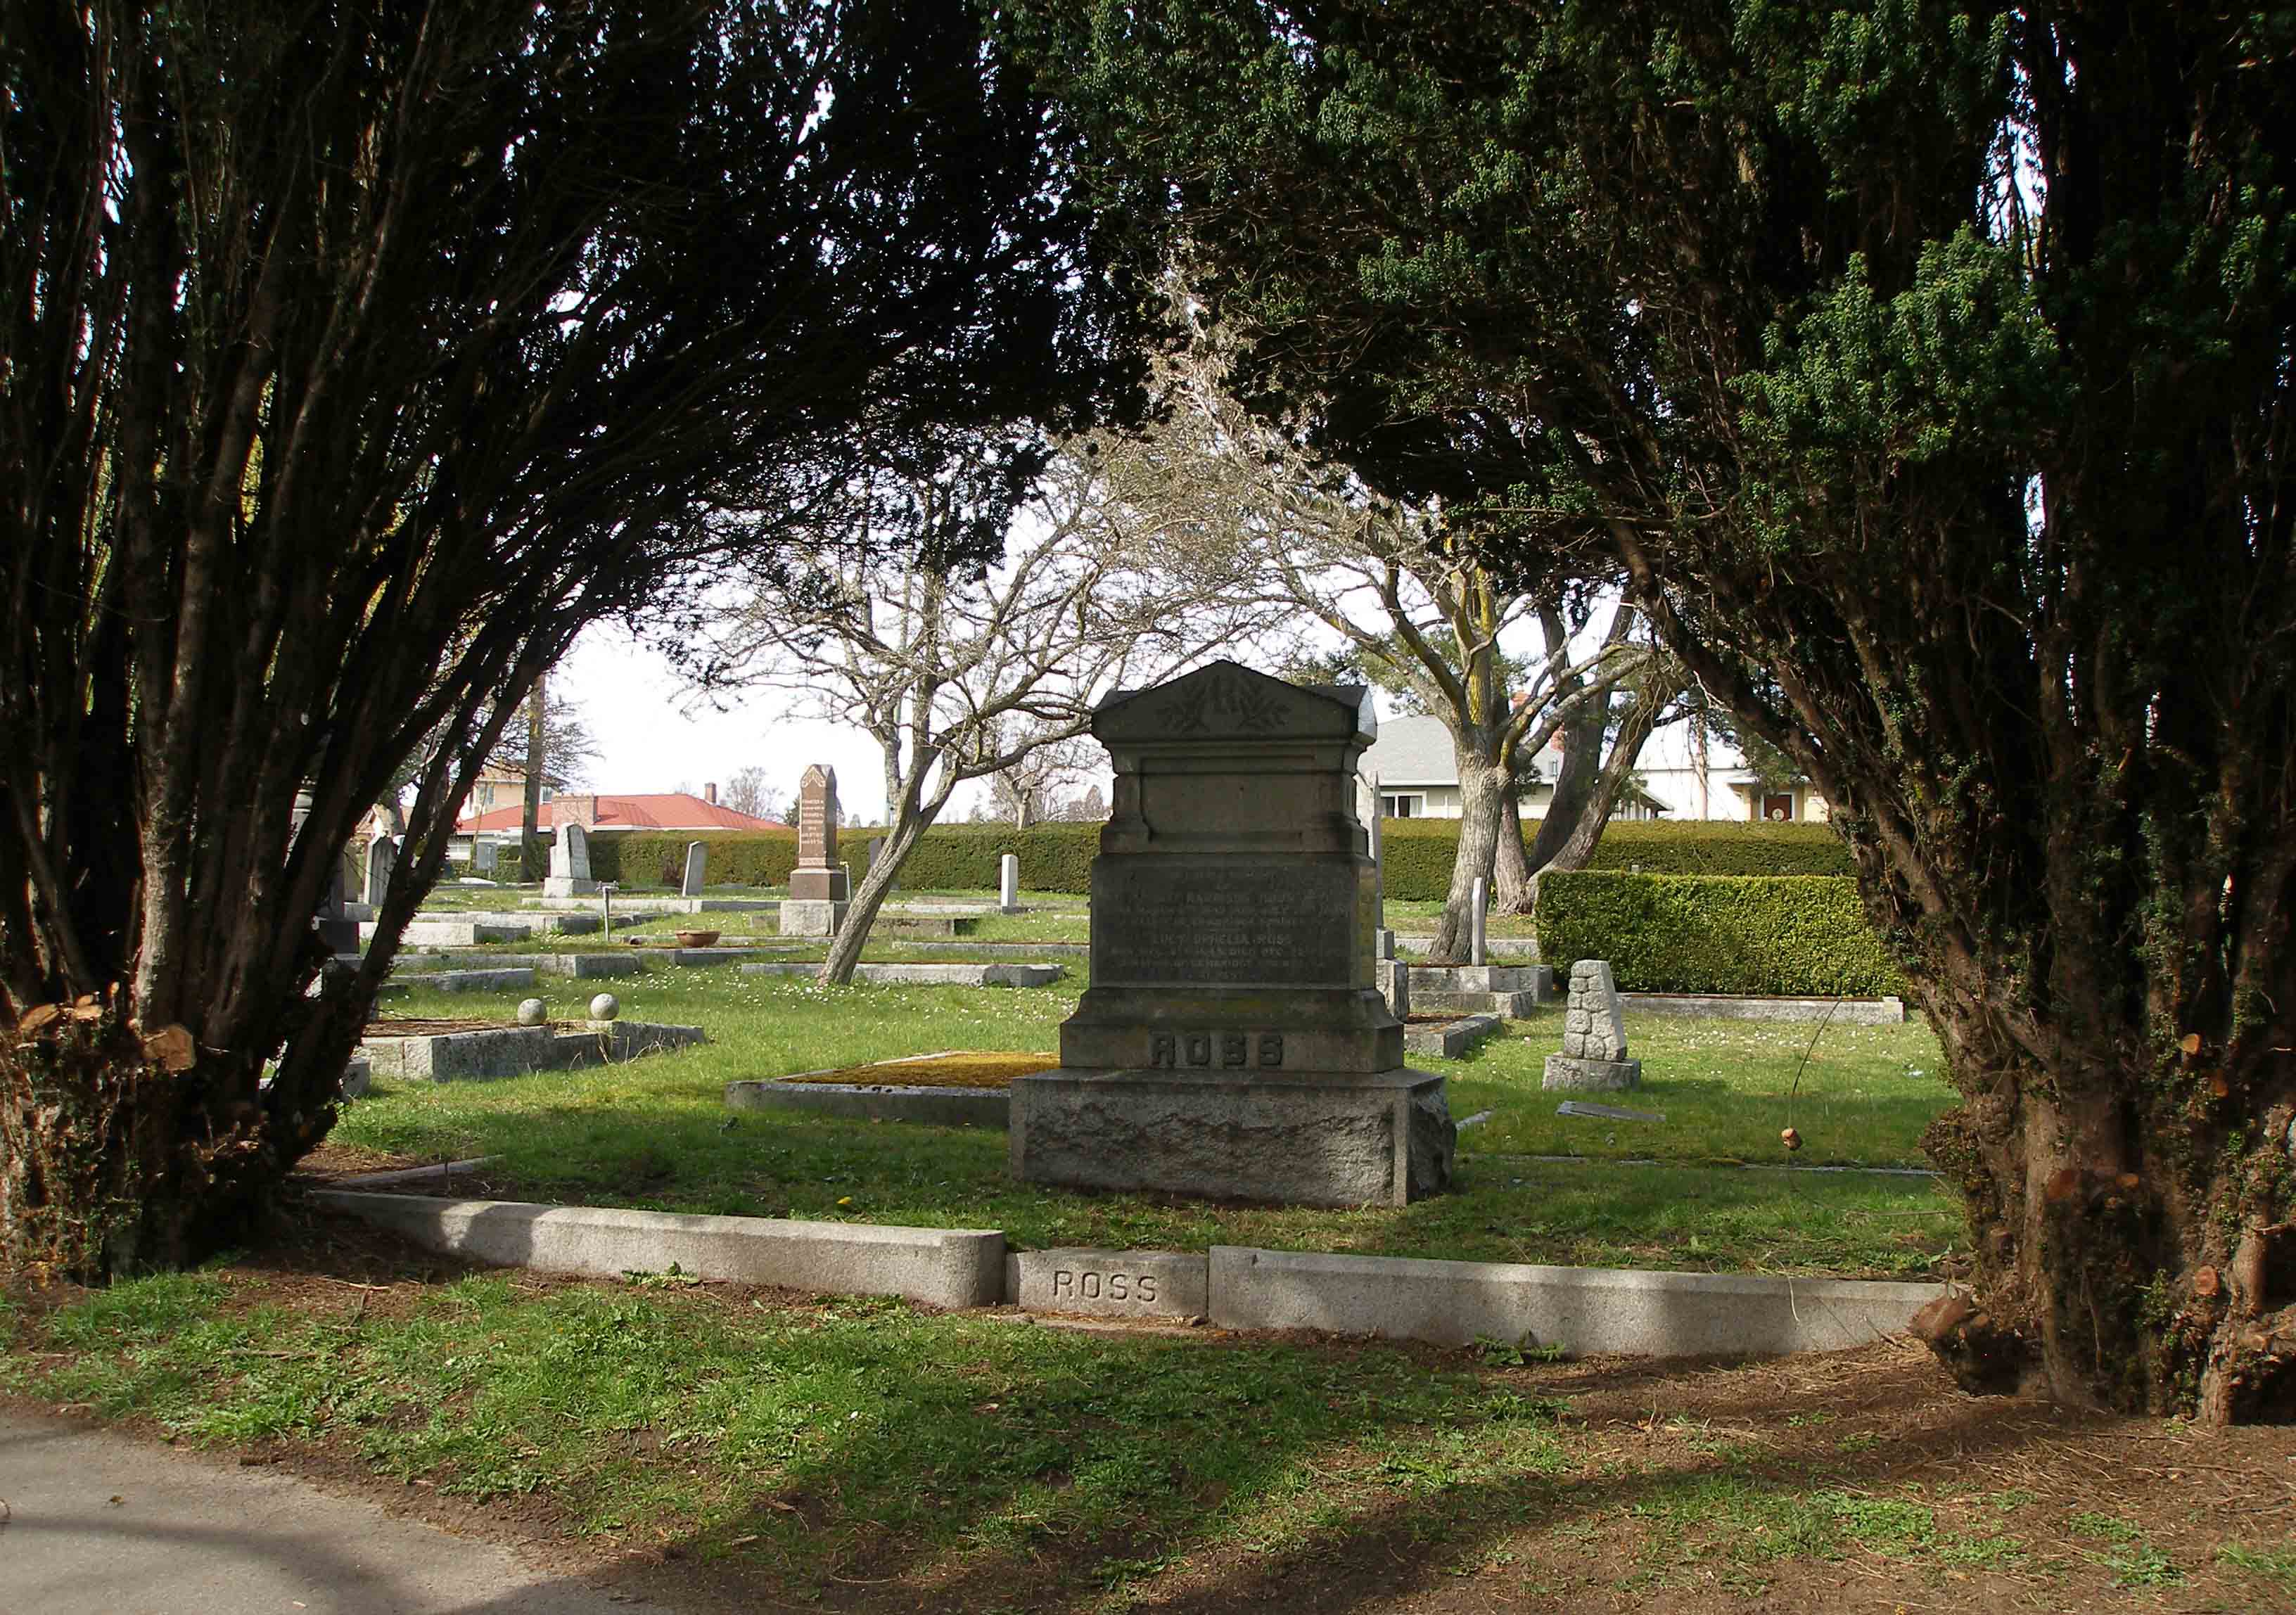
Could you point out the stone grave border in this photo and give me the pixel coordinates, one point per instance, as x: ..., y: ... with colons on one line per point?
x: 516, y: 1050
x: 1448, y: 1039
x: 1889, y: 1011
x: 1582, y: 1310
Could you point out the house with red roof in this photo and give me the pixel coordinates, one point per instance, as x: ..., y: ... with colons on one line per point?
x: 604, y: 815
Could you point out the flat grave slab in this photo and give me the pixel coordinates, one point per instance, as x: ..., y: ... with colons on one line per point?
x: 1448, y: 1039
x: 456, y: 1051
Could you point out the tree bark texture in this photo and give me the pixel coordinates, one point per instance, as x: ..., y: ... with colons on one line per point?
x: 357, y: 357
x: 1947, y: 442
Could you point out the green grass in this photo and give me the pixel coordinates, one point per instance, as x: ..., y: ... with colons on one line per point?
x: 655, y: 1133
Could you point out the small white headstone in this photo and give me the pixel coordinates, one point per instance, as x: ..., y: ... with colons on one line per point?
x: 697, y: 865
x: 1477, y: 923
x: 1008, y: 883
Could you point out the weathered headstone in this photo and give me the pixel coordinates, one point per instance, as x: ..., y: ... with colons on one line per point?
x: 1594, y: 1057
x: 1394, y: 986
x: 1478, y: 920
x: 381, y: 859
x: 482, y: 857
x: 1008, y: 884
x: 570, y: 864
x: 1234, y: 1041
x: 336, y: 930
x: 818, y: 885
x: 1367, y: 814
x: 697, y: 867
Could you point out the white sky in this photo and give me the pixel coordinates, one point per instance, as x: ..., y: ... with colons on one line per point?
x: 652, y: 734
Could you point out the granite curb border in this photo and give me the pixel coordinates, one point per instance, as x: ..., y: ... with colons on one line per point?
x: 1889, y: 1011
x: 1580, y: 1310
x: 954, y: 1268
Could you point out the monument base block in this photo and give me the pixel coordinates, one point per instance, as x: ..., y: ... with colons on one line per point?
x: 1305, y: 1138
x: 810, y: 917
x: 569, y: 886
x: 1567, y: 1074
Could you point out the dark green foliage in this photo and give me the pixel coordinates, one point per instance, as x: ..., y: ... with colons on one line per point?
x: 965, y: 858
x: 1797, y: 934
x: 1418, y: 852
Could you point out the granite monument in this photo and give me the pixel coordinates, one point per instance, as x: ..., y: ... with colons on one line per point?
x: 818, y: 886
x: 1234, y: 1042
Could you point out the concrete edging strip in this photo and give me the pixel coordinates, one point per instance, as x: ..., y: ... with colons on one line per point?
x: 951, y: 1268
x: 1581, y: 1309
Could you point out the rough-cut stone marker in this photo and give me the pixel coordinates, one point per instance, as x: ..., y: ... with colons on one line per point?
x: 819, y: 886
x: 697, y: 867
x: 1594, y: 1057
x: 1394, y: 977
x: 1234, y: 1042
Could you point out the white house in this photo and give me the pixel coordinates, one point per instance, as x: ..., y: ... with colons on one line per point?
x: 1418, y: 774
x: 1712, y: 782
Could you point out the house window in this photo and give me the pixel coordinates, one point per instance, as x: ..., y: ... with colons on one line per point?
x: 1400, y: 805
x: 548, y: 793
x: 1778, y: 809
x: 485, y: 796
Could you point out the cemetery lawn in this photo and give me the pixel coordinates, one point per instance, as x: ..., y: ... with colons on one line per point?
x: 655, y: 1133
x: 712, y: 1448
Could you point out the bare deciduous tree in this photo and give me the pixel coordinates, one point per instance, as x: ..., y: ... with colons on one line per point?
x: 1418, y: 612
x: 963, y: 674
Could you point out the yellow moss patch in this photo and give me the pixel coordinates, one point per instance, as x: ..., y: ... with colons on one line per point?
x: 953, y: 1069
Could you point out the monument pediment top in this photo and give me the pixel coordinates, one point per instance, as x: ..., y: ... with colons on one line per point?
x: 1227, y: 701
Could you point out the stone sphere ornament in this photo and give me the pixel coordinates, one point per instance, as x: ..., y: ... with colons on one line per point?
x: 605, y: 1006
x: 532, y: 1011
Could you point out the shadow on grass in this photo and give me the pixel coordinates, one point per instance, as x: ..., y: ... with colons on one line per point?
x: 743, y: 1449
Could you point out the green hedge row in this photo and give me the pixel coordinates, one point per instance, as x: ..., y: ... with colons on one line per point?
x: 1418, y: 853
x: 737, y: 858
x: 1792, y: 935
x: 1058, y: 856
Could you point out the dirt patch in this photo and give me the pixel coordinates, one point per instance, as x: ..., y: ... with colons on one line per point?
x: 957, y: 1068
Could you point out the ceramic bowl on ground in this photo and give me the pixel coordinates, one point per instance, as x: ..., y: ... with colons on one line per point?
x: 698, y: 938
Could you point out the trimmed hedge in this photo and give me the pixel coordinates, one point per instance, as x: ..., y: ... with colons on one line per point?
x: 737, y: 858
x: 1419, y: 852
x: 967, y: 857
x: 1794, y: 935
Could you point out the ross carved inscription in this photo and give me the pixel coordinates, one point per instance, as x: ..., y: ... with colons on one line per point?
x: 1170, y: 1050
x: 1088, y: 1286
x: 1158, y: 925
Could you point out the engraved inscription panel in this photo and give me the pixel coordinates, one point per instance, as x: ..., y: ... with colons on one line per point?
x: 1155, y: 925
x: 1071, y: 1284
